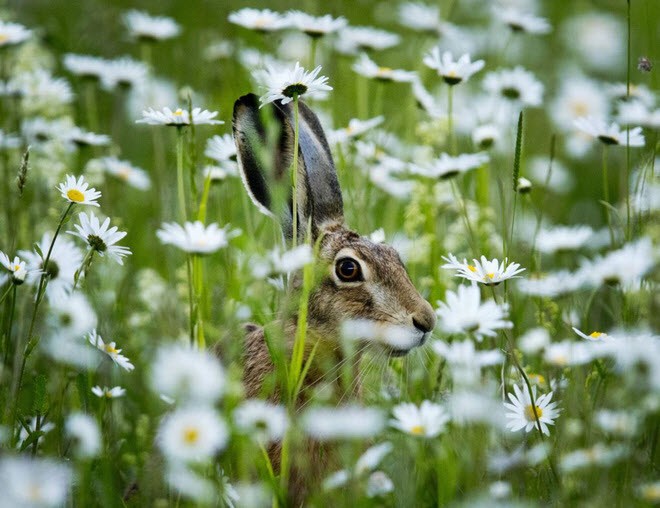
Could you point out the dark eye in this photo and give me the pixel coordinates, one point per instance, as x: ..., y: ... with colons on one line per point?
x: 348, y: 270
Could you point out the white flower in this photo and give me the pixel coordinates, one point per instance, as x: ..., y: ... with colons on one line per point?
x: 109, y: 393
x: 85, y: 66
x: 486, y: 135
x: 379, y: 484
x: 551, y: 284
x: 195, y: 238
x: 452, y: 72
x: 143, y: 26
x: 262, y: 20
x: 447, y: 166
x: 82, y: 137
x: 189, y: 483
x: 490, y: 273
x: 595, y: 37
x: 265, y: 422
x: 598, y: 455
x: 427, y: 420
x: 179, y: 117
x: 192, y: 434
x: 187, y: 374
x: 563, y: 238
x: 100, y: 237
x: 71, y: 316
x: 534, y: 340
x: 83, y: 429
x: 16, y: 269
x: 419, y: 16
x: 569, y: 353
x: 127, y: 172
x: 465, y: 314
x: 522, y: 22
x: 343, y: 422
x: 355, y: 38
x: 284, y: 83
x: 278, y: 262
x: 609, y: 135
x: 578, y: 97
x: 371, y: 458
x: 635, y: 112
x: 220, y: 173
x: 517, y: 85
x: 523, y: 413
x: 465, y: 362
x: 44, y: 427
x: 354, y: 129
x: 315, y: 26
x: 13, y: 33
x: 468, y: 407
x: 110, y: 349
x: 593, y: 336
x: 65, y: 259
x: 619, y: 423
x: 123, y: 73
x: 31, y: 482
x: 221, y: 148
x: 368, y: 68
x: 649, y: 491
x: 76, y: 191
x: 625, y: 266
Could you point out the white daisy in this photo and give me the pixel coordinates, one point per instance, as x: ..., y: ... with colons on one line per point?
x: 220, y: 172
x: 282, y: 262
x: 452, y: 72
x: 609, y: 135
x: 221, y: 148
x: 563, y: 238
x: 263, y: 20
x: 619, y: 423
x: 635, y: 112
x: 85, y: 66
x: 372, y: 458
x: 551, y: 284
x: 109, y: 393
x: 82, y: 137
x: 463, y: 313
x: 195, y: 237
x: 427, y: 420
x: 578, y: 97
x: 595, y: 38
x: 354, y: 129
x: 16, y: 268
x: 179, y: 117
x: 522, y: 22
x: 516, y: 85
x: 110, y: 349
x: 624, y: 266
x: 41, y: 91
x: 84, y: 430
x: 353, y: 39
x: 123, y: 72
x: 71, y: 316
x: 76, y: 191
x: 368, y: 68
x: 379, y: 484
x: 127, y: 172
x: 568, y: 353
x: 465, y: 362
x: 523, y: 413
x: 314, y: 26
x: 33, y: 482
x: 343, y: 422
x: 447, y: 166
x: 13, y: 33
x: 65, y: 259
x: 9, y: 141
x: 523, y: 186
x: 593, y: 336
x: 31, y: 424
x: 263, y: 421
x: 186, y: 374
x: 486, y: 135
x: 100, y: 237
x: 419, y: 16
x: 490, y: 273
x: 598, y: 455
x: 192, y: 434
x: 283, y: 83
x: 143, y: 26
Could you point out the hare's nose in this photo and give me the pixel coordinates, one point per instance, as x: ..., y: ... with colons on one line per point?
x: 423, y: 323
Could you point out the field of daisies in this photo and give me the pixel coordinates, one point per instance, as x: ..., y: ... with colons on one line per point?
x: 507, y: 149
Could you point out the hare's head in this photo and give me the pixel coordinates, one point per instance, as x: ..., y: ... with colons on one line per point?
x: 366, y: 283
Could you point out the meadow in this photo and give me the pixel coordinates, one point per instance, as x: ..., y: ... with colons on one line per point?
x: 506, y: 149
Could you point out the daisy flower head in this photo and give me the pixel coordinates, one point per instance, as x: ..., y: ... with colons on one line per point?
x: 516, y: 85
x: 635, y: 112
x: 465, y: 362
x: 263, y: 20
x: 354, y: 129
x: 426, y: 420
x: 563, y: 238
x: 195, y: 237
x: 490, y: 273
x: 452, y: 72
x: 71, y: 316
x: 185, y: 374
x: 447, y: 166
x: 85, y: 66
x: 285, y: 84
x: 109, y: 393
x: 464, y: 313
x: 486, y: 135
x: 354, y: 39
x: 593, y: 336
x: 77, y: 191
x: 33, y: 482
x: 110, y: 349
x: 221, y: 148
x: 134, y: 176
x: 84, y: 430
x: 342, y: 422
x: 100, y: 237
x: 315, y: 26
x: 365, y: 66
x: 264, y: 421
x: 84, y: 138
x: 625, y: 266
x: 522, y: 22
x: 16, y: 269
x: 179, y: 117
x: 419, y: 16
x: 152, y: 28
x: 192, y: 434
x: 522, y: 412
x: 611, y: 134
x: 379, y: 484
x: 12, y: 34
x: 123, y: 73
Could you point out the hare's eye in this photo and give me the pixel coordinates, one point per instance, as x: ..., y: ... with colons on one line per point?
x: 348, y: 270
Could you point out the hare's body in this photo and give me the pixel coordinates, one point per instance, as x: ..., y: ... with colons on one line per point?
x: 366, y: 282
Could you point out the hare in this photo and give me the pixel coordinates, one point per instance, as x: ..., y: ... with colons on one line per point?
x: 366, y: 281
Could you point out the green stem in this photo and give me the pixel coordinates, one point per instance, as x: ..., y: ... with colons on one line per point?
x: 450, y: 120
x: 627, y: 186
x: 11, y: 322
x: 312, y: 52
x: 198, y: 280
x: 606, y: 195
x: 89, y: 86
x: 192, y: 318
x: 179, y: 174
x: 294, y: 170
x: 84, y: 267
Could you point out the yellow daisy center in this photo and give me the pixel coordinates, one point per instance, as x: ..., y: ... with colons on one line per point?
x: 417, y: 430
x: 3, y: 38
x: 490, y: 275
x: 75, y: 195
x: 580, y: 109
x: 530, y: 410
x: 595, y: 335
x: 452, y: 74
x: 537, y: 378
x: 384, y: 70
x: 178, y: 112
x: 190, y: 435
x: 109, y: 348
x: 471, y: 268
x: 124, y: 173
x: 17, y: 268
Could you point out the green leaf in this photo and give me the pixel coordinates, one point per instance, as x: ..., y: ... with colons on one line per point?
x: 516, y: 157
x: 40, y: 401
